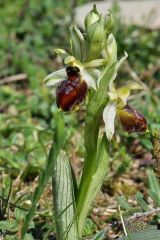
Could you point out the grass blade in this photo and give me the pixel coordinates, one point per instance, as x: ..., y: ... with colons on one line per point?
x: 154, y: 191
x: 58, y: 142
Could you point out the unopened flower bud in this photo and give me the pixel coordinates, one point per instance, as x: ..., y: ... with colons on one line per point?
x: 108, y: 23
x: 96, y: 38
x: 72, y: 91
x: 131, y: 120
x: 91, y: 18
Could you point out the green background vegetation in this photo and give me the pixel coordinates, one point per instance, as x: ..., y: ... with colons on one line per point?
x: 29, y: 32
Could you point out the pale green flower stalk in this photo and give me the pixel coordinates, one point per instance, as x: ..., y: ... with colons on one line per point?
x: 90, y: 69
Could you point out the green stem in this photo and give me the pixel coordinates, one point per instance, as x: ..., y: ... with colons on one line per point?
x: 93, y: 115
x: 57, y: 144
x: 91, y: 139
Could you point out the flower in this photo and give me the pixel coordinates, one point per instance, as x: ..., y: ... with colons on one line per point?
x: 89, y: 54
x: 73, y: 82
x: 72, y: 87
x: 72, y: 91
x: 88, y: 72
x: 131, y: 119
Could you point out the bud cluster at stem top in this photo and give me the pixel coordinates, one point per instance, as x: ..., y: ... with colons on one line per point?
x: 97, y: 28
x: 89, y: 46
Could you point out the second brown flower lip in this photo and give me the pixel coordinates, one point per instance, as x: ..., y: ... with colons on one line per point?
x: 132, y: 120
x: 72, y: 91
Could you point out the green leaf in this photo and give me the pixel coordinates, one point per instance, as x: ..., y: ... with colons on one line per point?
x: 28, y: 237
x: 154, y: 185
x: 100, y: 235
x: 19, y: 214
x: 8, y: 237
x: 102, y: 161
x: 141, y: 201
x: 143, y: 235
x: 57, y: 144
x: 131, y: 211
x: 64, y: 202
x: 123, y: 202
x: 9, y: 225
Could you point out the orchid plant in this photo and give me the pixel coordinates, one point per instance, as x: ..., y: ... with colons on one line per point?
x: 90, y: 70
x: 88, y: 77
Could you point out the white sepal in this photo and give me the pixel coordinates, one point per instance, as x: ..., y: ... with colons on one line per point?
x: 89, y: 79
x: 54, y: 78
x: 109, y: 114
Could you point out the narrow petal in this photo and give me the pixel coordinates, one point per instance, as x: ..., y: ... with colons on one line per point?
x: 54, y: 78
x: 122, y: 60
x: 124, y: 92
x: 61, y: 52
x: 89, y: 78
x: 109, y: 114
x: 111, y: 84
x: 118, y: 65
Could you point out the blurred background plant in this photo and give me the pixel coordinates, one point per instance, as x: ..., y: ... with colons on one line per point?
x: 30, y: 30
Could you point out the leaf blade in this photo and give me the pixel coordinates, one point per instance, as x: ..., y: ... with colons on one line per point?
x: 64, y: 203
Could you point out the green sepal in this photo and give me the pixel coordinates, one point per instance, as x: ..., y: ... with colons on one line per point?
x: 96, y: 38
x: 78, y: 44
